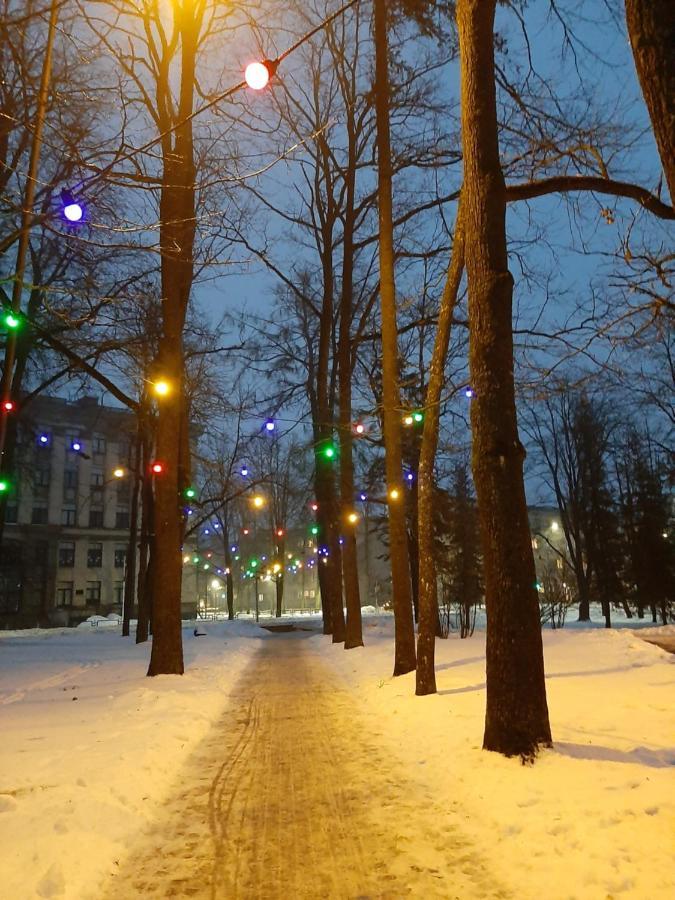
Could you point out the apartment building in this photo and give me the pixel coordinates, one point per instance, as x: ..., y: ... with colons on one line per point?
x: 67, y: 514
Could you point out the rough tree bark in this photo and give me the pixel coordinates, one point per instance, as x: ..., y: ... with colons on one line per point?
x: 177, y: 235
x: 425, y: 679
x: 516, y: 721
x: 132, y: 546
x: 404, y: 629
x: 651, y: 29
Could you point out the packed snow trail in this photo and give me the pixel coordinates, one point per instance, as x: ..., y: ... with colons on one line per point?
x: 289, y: 797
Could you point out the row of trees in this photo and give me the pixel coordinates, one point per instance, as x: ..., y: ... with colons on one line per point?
x: 380, y: 157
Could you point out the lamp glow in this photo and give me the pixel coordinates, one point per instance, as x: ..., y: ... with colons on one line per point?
x: 119, y: 472
x: 352, y: 518
x: 161, y: 388
x: 394, y: 494
x: 258, y: 501
x: 257, y: 75
x: 157, y: 468
x: 8, y: 406
x: 73, y: 212
x: 12, y: 321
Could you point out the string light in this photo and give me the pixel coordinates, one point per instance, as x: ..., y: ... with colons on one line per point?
x: 280, y: 532
x: 363, y: 497
x: 314, y: 507
x: 257, y: 75
x: 408, y: 420
x: 394, y: 494
x: 8, y: 406
x: 270, y: 425
x: 244, y: 471
x: 352, y: 518
x: 359, y: 428
x: 4, y: 485
x: 258, y: 501
x: 76, y: 446
x: 418, y: 417
x: 161, y: 388
x: 314, y: 529
x: 43, y: 439
x: 12, y: 321
x: 468, y: 392
x: 190, y: 493
x: 73, y: 211
x: 157, y: 468
x: 119, y: 473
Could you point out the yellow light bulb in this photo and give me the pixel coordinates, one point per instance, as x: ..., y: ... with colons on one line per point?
x: 394, y: 494
x: 258, y: 501
x: 162, y: 388
x: 119, y: 472
x: 352, y: 518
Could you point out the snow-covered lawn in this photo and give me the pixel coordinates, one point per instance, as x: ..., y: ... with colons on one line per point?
x: 91, y: 748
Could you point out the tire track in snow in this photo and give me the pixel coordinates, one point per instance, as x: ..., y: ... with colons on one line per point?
x: 289, y: 797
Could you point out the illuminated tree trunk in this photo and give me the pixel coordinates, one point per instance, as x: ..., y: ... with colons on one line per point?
x: 404, y: 649
x: 516, y: 721
x: 177, y: 235
x: 132, y: 546
x: 651, y: 29
x: 429, y: 623
x: 350, y: 572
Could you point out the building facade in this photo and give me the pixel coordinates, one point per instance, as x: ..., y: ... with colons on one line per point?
x: 67, y: 514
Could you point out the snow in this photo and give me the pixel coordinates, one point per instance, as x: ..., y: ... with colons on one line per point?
x: 92, y: 749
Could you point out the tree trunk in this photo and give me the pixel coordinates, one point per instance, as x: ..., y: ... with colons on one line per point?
x: 177, y: 235
x: 516, y: 721
x: 430, y: 623
x: 143, y: 588
x: 132, y: 547
x: 279, y: 589
x: 404, y: 629
x: 330, y: 570
x: 350, y: 571
x: 651, y: 29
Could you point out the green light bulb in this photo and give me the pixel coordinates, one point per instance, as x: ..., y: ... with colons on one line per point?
x: 190, y: 493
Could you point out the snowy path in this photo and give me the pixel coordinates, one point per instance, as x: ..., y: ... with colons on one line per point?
x: 289, y: 797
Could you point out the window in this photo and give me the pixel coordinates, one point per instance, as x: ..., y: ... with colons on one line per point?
x: 68, y: 515
x: 122, y: 518
x: 70, y: 478
x: 96, y: 518
x: 39, y: 514
x: 11, y: 513
x: 118, y: 592
x: 97, y: 478
x: 64, y: 593
x: 120, y: 557
x: 95, y: 556
x: 93, y: 592
x: 98, y: 445
x: 66, y: 554
x: 41, y: 478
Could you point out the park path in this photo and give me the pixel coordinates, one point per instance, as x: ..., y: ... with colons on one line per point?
x: 289, y: 797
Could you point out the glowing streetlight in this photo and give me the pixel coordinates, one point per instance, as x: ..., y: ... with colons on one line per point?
x: 258, y: 74
x: 119, y: 472
x: 161, y: 388
x: 258, y: 501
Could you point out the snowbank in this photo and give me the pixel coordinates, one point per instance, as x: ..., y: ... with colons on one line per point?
x: 91, y: 747
x: 594, y: 817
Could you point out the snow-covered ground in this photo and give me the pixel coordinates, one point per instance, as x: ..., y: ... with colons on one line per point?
x: 91, y: 748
